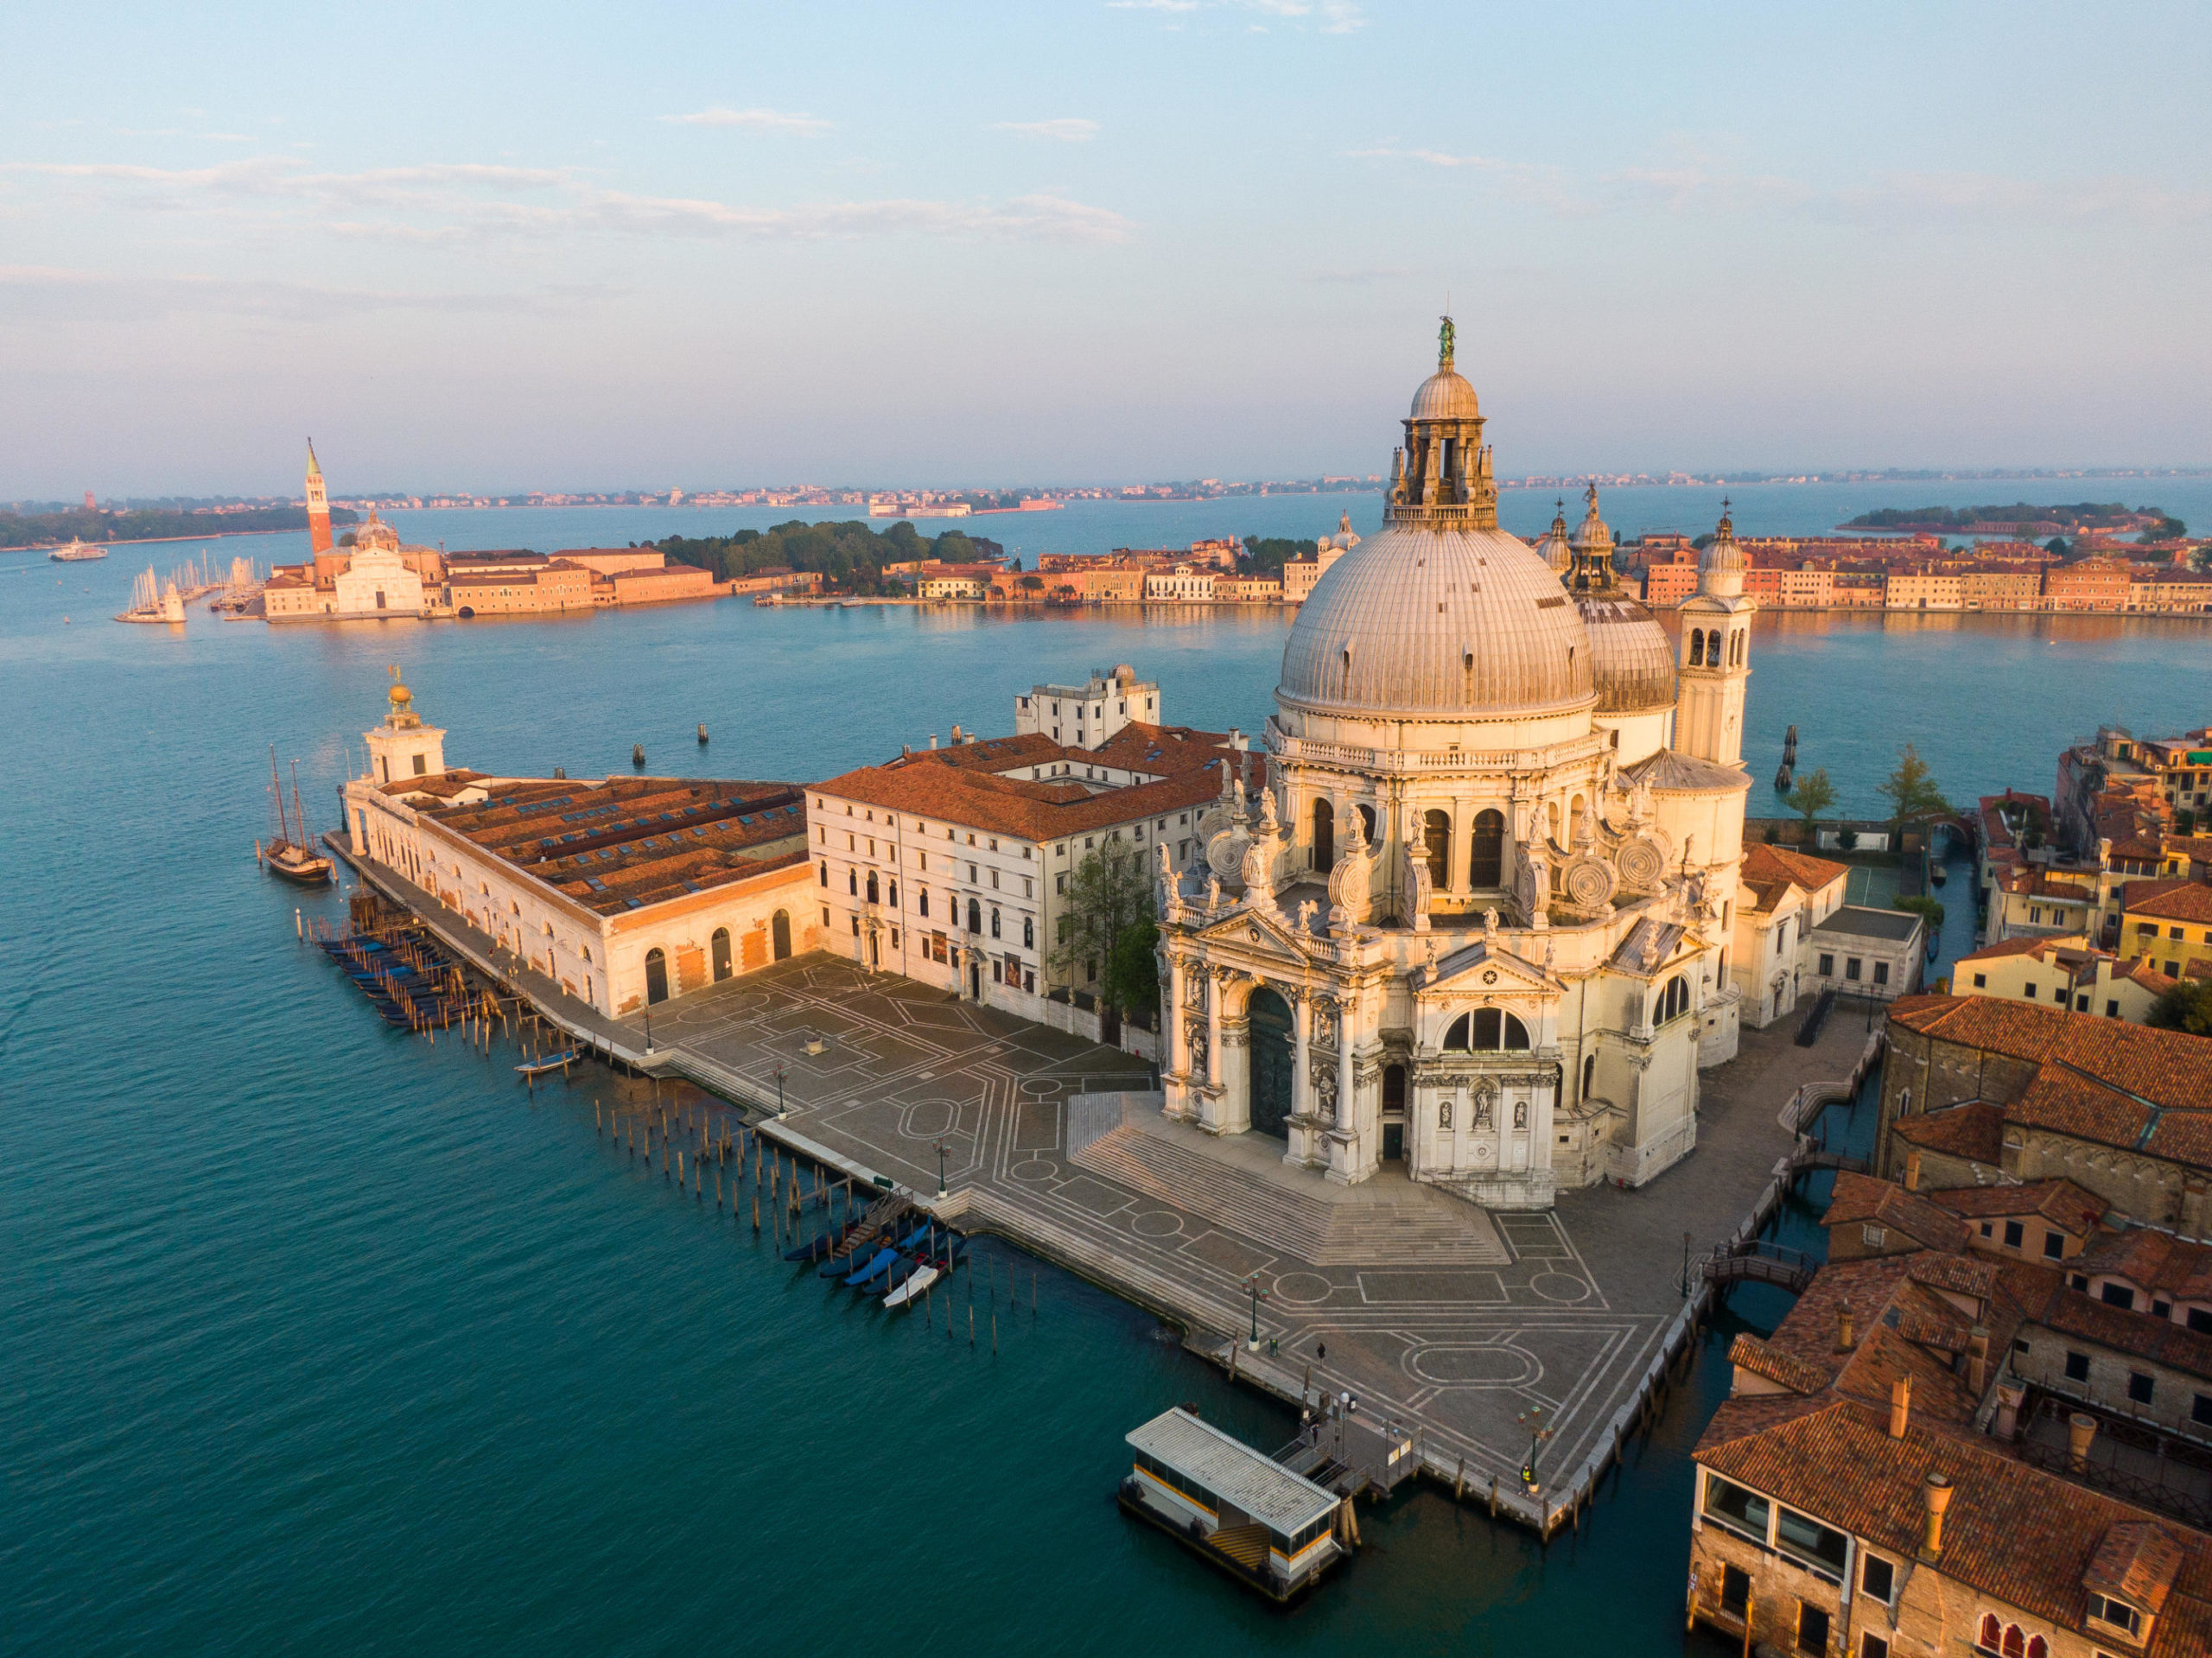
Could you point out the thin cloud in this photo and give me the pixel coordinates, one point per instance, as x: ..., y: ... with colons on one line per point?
x: 1067, y: 129
x: 1151, y: 5
x: 1359, y: 278
x: 765, y: 120
x: 50, y: 294
x: 457, y: 202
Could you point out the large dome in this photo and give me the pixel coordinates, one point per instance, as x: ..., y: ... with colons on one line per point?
x: 1445, y: 395
x: 1437, y: 622
x: 1633, y: 658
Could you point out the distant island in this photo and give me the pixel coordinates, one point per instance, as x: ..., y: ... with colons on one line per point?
x: 850, y: 557
x: 150, y: 523
x: 2024, y: 519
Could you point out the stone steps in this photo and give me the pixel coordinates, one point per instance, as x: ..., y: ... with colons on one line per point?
x: 1416, y: 1230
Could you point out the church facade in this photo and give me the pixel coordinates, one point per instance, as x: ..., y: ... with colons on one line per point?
x: 1476, y: 923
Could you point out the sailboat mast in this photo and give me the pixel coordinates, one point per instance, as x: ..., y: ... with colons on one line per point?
x: 299, y: 812
x: 277, y: 788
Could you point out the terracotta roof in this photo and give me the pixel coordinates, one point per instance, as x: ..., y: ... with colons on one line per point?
x: 1974, y: 1130
x: 2169, y: 900
x: 931, y: 784
x: 1860, y: 1199
x: 1783, y: 1369
x: 2071, y: 1312
x: 1771, y: 863
x: 2058, y: 1201
x: 2176, y: 1268
x: 618, y: 845
x: 2166, y: 1070
x: 2024, y: 1537
x: 2137, y: 1562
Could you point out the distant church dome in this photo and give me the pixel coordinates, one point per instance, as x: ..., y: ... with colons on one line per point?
x: 1632, y: 658
x: 1593, y: 536
x: 1441, y: 612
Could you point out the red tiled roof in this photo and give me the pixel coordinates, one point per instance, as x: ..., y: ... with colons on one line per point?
x: 2179, y: 1270
x: 1974, y: 1130
x: 2169, y: 1070
x: 931, y: 784
x: 1773, y: 863
x: 1860, y: 1199
x: 2169, y: 900
x: 2058, y: 1201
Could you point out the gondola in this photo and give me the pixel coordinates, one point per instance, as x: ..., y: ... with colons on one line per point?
x: 552, y: 1062
x: 816, y: 1248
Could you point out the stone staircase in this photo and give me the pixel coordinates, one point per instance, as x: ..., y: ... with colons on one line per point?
x: 1407, y: 1227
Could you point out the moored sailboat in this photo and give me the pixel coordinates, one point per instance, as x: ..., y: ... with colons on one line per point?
x: 291, y: 855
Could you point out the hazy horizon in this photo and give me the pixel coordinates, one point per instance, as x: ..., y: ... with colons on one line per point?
x: 1137, y: 240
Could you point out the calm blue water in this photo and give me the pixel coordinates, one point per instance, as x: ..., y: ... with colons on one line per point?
x: 319, y: 1338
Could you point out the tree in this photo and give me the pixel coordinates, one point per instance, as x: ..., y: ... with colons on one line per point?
x: 1108, y: 894
x: 2186, y: 1006
x: 1132, y: 982
x: 2056, y: 546
x: 1813, y: 795
x: 1912, y: 794
x: 1929, y: 910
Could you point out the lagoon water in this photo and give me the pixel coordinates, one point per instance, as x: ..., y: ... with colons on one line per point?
x: 318, y: 1337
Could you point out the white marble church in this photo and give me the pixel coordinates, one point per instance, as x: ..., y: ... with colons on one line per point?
x: 1476, y: 923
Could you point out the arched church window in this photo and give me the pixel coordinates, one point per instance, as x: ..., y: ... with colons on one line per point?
x: 1673, y: 1000
x: 1324, y: 837
x: 1516, y: 1036
x: 1436, y: 836
x: 1589, y: 1075
x: 1486, y: 1028
x: 1988, y: 1635
x: 1456, y: 1038
x: 1697, y: 647
x: 975, y: 916
x: 1486, y: 850
x: 874, y: 892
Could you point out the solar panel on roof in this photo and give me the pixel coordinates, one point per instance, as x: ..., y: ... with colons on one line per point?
x: 595, y: 883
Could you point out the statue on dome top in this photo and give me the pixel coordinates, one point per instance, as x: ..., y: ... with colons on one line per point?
x: 1448, y: 338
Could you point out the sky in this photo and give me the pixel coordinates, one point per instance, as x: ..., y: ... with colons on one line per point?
x: 501, y: 247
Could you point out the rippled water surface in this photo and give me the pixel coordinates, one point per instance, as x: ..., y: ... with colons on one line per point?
x: 320, y: 1338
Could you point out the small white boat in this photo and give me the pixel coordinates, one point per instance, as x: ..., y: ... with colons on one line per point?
x: 77, y: 552
x: 912, y: 1289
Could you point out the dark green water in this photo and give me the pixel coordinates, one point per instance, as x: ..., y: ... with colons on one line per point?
x: 320, y: 1338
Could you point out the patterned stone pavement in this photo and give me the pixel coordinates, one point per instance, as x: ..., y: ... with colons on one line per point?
x: 1437, y: 1314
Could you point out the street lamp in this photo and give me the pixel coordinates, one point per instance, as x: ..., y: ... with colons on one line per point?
x: 649, y: 1033
x: 779, y: 1091
x: 1686, y: 1265
x: 1252, y: 1285
x: 1533, y: 1419
x: 942, y: 1148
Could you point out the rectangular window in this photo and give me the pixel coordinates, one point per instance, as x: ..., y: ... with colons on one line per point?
x: 1872, y: 1236
x: 1877, y: 1577
x: 2117, y: 1295
x: 1807, y: 1540
x: 1851, y: 968
x: 2140, y: 1387
x: 1828, y: 967
x: 2014, y: 1233
x: 1881, y: 973
x: 1735, y: 1590
x: 2199, y: 1411
x: 2118, y: 1613
x: 1812, y: 1629
x: 1981, y: 981
x: 2053, y: 1245
x: 2199, y: 1320
x: 2077, y: 1367
x: 1735, y: 1508
x: 2029, y: 992
x: 1873, y: 1646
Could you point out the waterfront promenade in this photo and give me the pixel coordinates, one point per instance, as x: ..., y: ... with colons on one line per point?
x: 1446, y: 1320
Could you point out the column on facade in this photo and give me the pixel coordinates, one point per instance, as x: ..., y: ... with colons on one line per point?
x: 1347, y: 1028
x: 1178, y: 1045
x: 1463, y: 843
x: 1301, y: 1083
x: 1215, y: 987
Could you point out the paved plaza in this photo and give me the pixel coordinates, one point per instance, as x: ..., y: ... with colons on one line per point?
x: 1437, y: 1314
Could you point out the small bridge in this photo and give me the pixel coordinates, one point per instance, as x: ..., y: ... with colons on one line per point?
x: 1760, y: 1262
x: 1808, y: 1158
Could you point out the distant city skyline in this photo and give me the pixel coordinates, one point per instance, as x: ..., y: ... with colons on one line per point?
x: 1092, y: 244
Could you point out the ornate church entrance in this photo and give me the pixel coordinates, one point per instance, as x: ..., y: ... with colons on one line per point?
x: 1267, y: 1017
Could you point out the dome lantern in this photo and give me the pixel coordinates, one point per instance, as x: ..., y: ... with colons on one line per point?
x: 1442, y: 474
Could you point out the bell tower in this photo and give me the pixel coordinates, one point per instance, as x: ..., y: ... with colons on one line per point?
x: 403, y: 746
x: 318, y: 505
x: 1715, y: 653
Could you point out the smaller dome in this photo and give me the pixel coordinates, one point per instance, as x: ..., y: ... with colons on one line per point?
x: 1592, y: 534
x: 1632, y: 658
x: 1722, y: 556
x: 1557, y: 550
x: 1445, y: 395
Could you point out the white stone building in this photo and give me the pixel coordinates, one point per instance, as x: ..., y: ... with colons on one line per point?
x: 1475, y: 922
x: 1784, y: 894
x: 1089, y: 714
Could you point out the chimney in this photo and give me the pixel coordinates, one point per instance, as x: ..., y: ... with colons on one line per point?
x: 1937, y: 1494
x: 905, y: 749
x: 1900, y: 1406
x: 2009, y: 1397
x: 1913, y: 1170
x: 1846, y: 1329
x: 932, y: 741
x: 2080, y: 1430
x: 956, y: 736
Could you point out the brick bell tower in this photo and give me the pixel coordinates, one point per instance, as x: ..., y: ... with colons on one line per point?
x: 318, y: 505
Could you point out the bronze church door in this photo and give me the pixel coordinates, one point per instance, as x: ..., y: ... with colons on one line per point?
x: 1267, y: 1017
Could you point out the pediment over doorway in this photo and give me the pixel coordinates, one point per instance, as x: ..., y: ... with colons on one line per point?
x: 1486, y: 969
